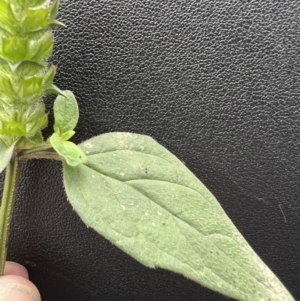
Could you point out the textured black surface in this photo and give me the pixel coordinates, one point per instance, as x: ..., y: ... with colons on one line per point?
x: 217, y: 83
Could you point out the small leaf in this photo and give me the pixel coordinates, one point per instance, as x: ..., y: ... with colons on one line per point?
x: 14, y: 49
x: 34, y: 113
x: 44, y: 51
x: 13, y: 129
x: 144, y: 200
x: 36, y: 125
x: 37, y: 139
x: 28, y: 68
x: 67, y: 135
x: 66, y: 113
x: 31, y: 86
x: 54, y: 90
x: 53, y: 11
x: 42, y: 48
x: 6, y: 17
x: 36, y: 19
x: 6, y: 86
x: 56, y: 24
x: 48, y: 77
x: 26, y: 143
x: 68, y: 150
x: 5, y: 154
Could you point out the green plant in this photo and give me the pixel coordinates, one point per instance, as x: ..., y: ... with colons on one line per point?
x: 150, y: 205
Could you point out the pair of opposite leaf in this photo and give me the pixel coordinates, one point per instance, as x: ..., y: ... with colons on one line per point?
x: 126, y: 186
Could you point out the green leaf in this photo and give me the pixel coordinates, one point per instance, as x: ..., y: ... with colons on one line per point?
x: 37, y: 139
x: 5, y: 154
x: 14, y: 49
x: 6, y: 85
x: 36, y: 19
x: 48, y: 77
x: 42, y: 48
x: 54, y: 10
x: 31, y: 86
x: 13, y: 129
x: 68, y: 150
x: 56, y: 24
x: 67, y: 135
x: 144, y: 200
x: 6, y: 17
x: 36, y: 125
x: 29, y: 68
x: 27, y: 143
x: 33, y: 113
x: 66, y: 113
x: 54, y: 90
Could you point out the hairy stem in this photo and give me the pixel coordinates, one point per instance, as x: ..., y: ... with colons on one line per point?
x: 36, y: 149
x: 12, y: 176
x: 40, y: 155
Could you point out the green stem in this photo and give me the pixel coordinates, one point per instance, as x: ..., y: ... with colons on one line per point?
x: 12, y: 176
x: 40, y: 155
x: 36, y: 149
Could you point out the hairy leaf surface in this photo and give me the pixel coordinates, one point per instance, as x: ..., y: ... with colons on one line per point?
x: 144, y: 200
x: 66, y: 112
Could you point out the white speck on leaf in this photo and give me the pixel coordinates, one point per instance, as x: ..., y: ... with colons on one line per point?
x: 146, y: 213
x: 142, y: 148
x: 122, y: 174
x: 93, y: 176
x: 88, y: 145
x: 123, y: 207
x: 154, y: 224
x: 159, y: 213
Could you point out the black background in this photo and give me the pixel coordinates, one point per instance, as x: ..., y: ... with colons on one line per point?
x: 217, y: 83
